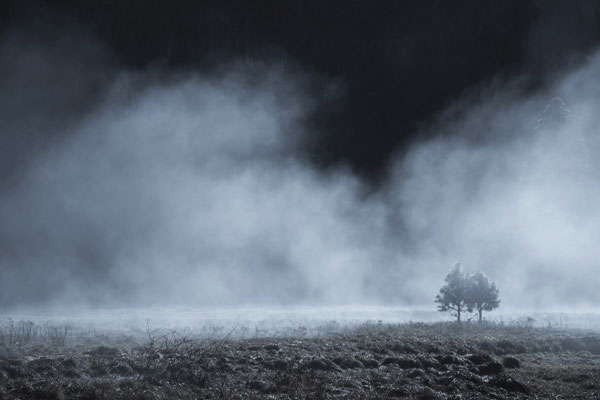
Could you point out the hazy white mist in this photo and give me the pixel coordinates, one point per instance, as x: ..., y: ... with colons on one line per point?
x: 178, y: 188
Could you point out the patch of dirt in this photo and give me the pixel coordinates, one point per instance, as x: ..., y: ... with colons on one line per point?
x: 414, y: 361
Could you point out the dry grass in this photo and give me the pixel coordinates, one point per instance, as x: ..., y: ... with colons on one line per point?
x: 372, y: 361
x: 24, y: 333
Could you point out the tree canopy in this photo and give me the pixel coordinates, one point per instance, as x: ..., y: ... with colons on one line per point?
x: 453, y: 295
x: 483, y: 294
x: 464, y: 292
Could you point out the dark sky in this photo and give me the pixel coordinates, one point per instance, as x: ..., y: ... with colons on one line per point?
x: 397, y: 63
x: 144, y: 144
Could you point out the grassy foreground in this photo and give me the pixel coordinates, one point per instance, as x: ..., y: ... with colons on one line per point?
x: 372, y: 361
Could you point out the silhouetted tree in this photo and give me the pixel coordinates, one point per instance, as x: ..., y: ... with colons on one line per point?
x: 482, y: 295
x: 454, y: 294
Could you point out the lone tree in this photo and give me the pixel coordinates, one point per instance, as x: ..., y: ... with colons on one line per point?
x: 454, y: 295
x: 482, y: 295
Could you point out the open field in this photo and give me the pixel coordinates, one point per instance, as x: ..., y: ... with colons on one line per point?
x: 368, y: 361
x: 283, y: 321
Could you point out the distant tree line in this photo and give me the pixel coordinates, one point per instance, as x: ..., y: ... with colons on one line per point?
x: 467, y: 293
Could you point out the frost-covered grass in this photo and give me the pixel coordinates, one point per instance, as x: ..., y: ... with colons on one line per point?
x: 370, y: 360
x: 252, y: 322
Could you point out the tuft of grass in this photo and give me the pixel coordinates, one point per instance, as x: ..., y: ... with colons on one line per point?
x: 28, y: 332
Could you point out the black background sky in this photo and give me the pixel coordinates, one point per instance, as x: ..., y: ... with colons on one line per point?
x: 399, y: 63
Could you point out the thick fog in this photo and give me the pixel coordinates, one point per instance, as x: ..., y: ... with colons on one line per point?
x: 162, y: 187
x: 510, y: 187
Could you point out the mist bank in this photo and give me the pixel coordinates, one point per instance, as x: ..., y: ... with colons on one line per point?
x: 217, y: 322
x: 176, y: 188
